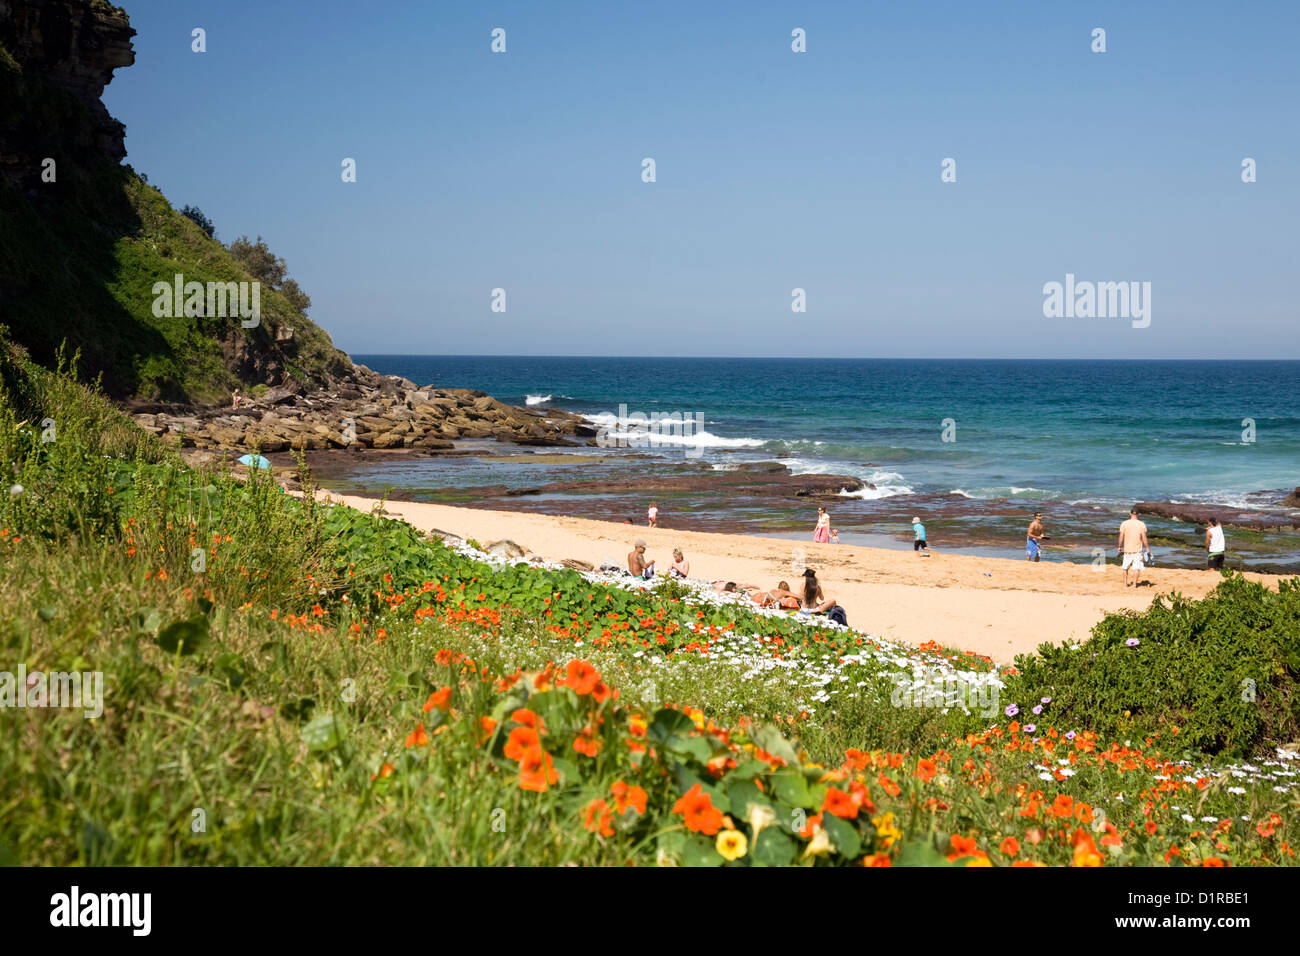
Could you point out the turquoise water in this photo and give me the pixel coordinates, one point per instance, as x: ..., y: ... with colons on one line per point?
x: 1076, y: 432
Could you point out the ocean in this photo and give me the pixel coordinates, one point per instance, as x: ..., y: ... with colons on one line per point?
x: 985, y: 439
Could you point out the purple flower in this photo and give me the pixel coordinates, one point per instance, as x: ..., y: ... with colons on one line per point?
x: 1047, y: 700
x: 1029, y: 728
x: 1071, y: 735
x: 1012, y: 710
x: 1132, y: 642
x: 1038, y: 709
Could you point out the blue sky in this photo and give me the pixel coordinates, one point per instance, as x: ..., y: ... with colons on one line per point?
x: 775, y: 170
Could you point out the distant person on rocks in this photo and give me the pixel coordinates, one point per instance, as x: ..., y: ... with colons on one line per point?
x: 1034, y: 538
x: 918, y: 538
x: 235, y: 399
x: 822, y: 533
x: 637, y: 566
x: 1215, y: 545
x: 680, y: 566
x: 652, y: 516
x: 1132, y: 545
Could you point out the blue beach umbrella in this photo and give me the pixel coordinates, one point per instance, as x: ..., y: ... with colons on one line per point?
x: 254, y: 461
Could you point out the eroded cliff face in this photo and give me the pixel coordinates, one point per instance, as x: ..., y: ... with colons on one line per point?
x: 56, y: 58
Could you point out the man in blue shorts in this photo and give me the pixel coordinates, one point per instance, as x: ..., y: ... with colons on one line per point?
x: 1034, y: 538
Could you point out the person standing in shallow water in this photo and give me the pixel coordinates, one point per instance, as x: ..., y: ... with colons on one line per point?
x: 822, y: 532
x: 1215, y: 545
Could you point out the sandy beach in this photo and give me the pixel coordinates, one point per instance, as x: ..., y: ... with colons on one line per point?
x: 993, y: 606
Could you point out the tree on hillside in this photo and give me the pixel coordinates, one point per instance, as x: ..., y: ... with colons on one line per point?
x: 270, y: 270
x: 195, y: 215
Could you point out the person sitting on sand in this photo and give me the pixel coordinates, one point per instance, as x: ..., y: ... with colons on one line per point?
x: 680, y: 566
x: 637, y: 566
x: 1132, y: 544
x: 785, y: 597
x: 813, y: 599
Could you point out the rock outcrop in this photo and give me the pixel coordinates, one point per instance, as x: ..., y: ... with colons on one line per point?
x: 362, y: 410
x: 1231, y: 517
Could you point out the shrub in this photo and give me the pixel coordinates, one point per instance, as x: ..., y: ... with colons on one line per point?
x: 1216, y: 674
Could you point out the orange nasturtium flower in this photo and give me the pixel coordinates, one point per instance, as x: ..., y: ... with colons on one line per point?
x: 417, y: 737
x: 586, y: 745
x: 840, y: 803
x: 1011, y: 846
x: 581, y: 677
x: 596, y: 818
x: 925, y: 770
x: 697, y: 807
x: 628, y: 797
x: 1085, y: 851
x: 520, y: 741
x: 439, y: 698
x: 536, y: 771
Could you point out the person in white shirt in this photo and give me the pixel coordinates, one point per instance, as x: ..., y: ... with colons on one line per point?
x: 1133, y: 545
x: 652, y: 516
x: 1214, y: 544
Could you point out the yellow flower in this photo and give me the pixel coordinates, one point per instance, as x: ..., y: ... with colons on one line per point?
x: 732, y: 844
x: 886, y: 830
x: 820, y: 843
x: 979, y: 861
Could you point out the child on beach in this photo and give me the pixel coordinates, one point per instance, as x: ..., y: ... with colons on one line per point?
x: 835, y: 536
x: 918, y: 538
x: 652, y: 516
x: 822, y: 533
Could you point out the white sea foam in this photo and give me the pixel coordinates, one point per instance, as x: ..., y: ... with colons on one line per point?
x: 538, y: 399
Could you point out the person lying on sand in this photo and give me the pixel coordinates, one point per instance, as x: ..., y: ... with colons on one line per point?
x: 637, y: 566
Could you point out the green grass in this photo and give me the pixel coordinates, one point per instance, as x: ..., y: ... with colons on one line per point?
x: 268, y: 659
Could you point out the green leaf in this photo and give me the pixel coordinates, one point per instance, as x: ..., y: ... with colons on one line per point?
x: 920, y: 853
x: 773, y: 848
x: 668, y: 722
x: 46, y: 613
x: 184, y: 637
x: 696, y: 747
x: 700, y: 851
x: 147, y: 620
x: 844, y: 835
x: 742, y: 795
x: 792, y: 788
x: 321, y: 734
x: 772, y: 740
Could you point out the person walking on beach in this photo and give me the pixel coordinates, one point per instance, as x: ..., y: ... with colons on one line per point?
x: 637, y: 566
x: 652, y: 516
x: 1214, y: 545
x: 822, y: 533
x: 1034, y: 538
x: 918, y: 539
x: 1132, y: 545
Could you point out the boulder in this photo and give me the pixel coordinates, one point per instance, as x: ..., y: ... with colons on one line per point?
x: 505, y: 548
x: 578, y: 565
x: 1292, y: 500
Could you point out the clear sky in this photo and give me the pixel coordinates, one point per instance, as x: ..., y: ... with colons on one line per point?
x: 775, y: 170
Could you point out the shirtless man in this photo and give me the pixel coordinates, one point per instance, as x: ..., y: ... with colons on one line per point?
x: 1034, y: 538
x: 1132, y: 544
x: 637, y: 565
